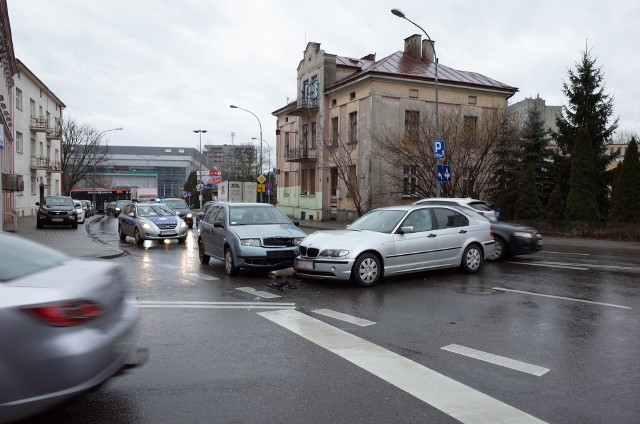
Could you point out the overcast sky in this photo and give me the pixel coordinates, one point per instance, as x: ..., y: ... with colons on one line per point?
x: 161, y: 68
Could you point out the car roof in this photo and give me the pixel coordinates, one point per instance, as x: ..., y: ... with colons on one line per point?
x: 450, y: 199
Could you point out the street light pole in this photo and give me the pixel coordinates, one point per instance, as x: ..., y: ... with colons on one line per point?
x: 260, y: 124
x: 399, y: 14
x: 94, y: 163
x: 200, y: 162
x: 269, y: 174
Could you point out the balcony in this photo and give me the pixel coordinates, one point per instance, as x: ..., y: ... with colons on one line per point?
x: 54, y: 132
x: 39, y: 124
x: 39, y: 162
x: 301, y: 155
x: 304, y: 106
x: 55, y: 166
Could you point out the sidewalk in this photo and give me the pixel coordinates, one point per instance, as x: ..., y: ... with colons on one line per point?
x: 77, y: 243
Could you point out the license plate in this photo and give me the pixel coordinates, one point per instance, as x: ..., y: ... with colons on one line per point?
x: 167, y: 233
x: 304, y: 264
x: 56, y: 220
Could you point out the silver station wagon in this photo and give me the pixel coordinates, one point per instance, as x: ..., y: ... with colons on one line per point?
x: 397, y: 240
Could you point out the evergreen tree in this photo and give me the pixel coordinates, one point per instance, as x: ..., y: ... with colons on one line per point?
x: 190, y: 187
x: 554, y: 210
x: 528, y: 204
x: 590, y: 108
x: 504, y: 182
x: 535, y: 151
x: 581, y: 202
x: 625, y: 199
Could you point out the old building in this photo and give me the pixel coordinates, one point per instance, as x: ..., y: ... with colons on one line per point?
x: 347, y: 102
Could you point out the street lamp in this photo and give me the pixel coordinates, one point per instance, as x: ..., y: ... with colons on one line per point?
x: 200, y: 162
x: 399, y: 14
x: 94, y: 162
x: 260, y: 124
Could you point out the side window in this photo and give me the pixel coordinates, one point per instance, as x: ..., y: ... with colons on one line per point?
x: 420, y: 220
x: 447, y: 218
x: 221, y: 216
x: 210, y: 215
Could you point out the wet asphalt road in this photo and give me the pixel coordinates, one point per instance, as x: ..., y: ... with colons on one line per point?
x: 222, y: 352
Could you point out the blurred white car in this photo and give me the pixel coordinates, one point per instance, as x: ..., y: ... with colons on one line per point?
x: 80, y: 211
x: 397, y: 240
x: 67, y: 326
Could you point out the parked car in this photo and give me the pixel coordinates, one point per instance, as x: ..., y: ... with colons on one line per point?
x: 57, y: 210
x: 397, y: 240
x: 118, y: 206
x: 248, y: 235
x: 511, y: 239
x: 67, y: 326
x: 88, y: 208
x: 110, y: 208
x: 80, y: 211
x: 203, y: 211
x: 150, y: 221
x: 181, y: 208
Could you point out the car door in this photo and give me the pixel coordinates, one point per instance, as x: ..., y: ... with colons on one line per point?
x: 219, y: 233
x: 127, y: 222
x: 206, y: 229
x: 418, y: 249
x: 452, y: 232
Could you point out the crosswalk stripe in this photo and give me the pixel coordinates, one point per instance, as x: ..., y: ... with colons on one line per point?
x: 260, y: 293
x: 461, y: 402
x: 497, y: 360
x: 573, y: 299
x: 204, y: 276
x: 344, y: 317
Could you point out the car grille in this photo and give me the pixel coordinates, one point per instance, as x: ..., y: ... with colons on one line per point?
x: 309, y: 253
x: 281, y: 254
x: 167, y: 226
x: 277, y: 241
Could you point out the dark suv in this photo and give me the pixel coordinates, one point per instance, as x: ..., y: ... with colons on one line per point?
x: 57, y: 210
x: 181, y: 208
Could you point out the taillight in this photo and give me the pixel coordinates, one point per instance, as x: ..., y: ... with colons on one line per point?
x: 66, y: 313
x: 491, y: 231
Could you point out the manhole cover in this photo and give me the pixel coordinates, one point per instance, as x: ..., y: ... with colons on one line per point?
x: 478, y: 290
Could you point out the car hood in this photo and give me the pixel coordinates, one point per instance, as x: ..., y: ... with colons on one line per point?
x: 335, y: 239
x: 162, y: 220
x: 59, y: 208
x: 509, y: 226
x: 270, y: 230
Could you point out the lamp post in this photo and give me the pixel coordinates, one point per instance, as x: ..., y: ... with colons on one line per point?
x: 269, y: 174
x: 200, y: 162
x: 260, y: 124
x: 399, y: 14
x: 94, y: 162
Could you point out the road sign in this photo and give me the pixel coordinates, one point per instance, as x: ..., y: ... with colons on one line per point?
x: 217, y: 180
x: 269, y: 192
x: 269, y: 185
x: 438, y: 149
x: 261, y: 188
x: 262, y: 179
x: 444, y: 173
x: 199, y: 187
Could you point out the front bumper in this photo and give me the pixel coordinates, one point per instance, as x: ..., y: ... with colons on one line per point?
x: 152, y: 234
x: 57, y: 219
x: 523, y: 245
x: 334, y: 269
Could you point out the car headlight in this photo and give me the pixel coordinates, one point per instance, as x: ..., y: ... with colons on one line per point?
x: 334, y: 253
x: 297, y: 240
x: 250, y: 242
x: 189, y: 215
x: 183, y: 224
x: 146, y: 225
x: 523, y: 234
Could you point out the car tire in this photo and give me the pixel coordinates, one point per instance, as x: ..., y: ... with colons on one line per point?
x: 137, y: 236
x: 500, y: 250
x: 182, y: 239
x: 229, y: 266
x: 204, y: 258
x: 74, y: 225
x: 471, y: 259
x: 39, y: 225
x: 191, y: 225
x: 122, y: 235
x: 367, y: 270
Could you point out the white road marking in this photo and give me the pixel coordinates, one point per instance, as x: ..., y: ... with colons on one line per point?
x: 259, y: 293
x: 344, y: 317
x: 461, y: 402
x: 548, y: 264
x: 497, y: 360
x: 562, y: 297
x: 169, y: 266
x: 215, y: 305
x: 566, y: 253
x: 204, y: 276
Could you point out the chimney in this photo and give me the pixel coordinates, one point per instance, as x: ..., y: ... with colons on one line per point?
x: 428, y: 50
x: 412, y: 46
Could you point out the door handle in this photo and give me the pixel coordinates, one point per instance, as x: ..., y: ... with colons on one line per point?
x: 431, y: 235
x: 463, y: 231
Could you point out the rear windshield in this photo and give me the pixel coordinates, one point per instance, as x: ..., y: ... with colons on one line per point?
x: 58, y: 201
x: 22, y: 257
x: 480, y: 206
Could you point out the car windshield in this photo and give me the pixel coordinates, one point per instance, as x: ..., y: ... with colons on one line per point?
x: 381, y: 221
x: 58, y: 201
x: 480, y: 206
x: 471, y: 213
x: 120, y: 203
x: 154, y: 210
x: 22, y: 257
x: 256, y: 215
x: 179, y: 204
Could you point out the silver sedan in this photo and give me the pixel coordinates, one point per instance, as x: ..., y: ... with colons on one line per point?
x: 397, y: 240
x: 67, y: 326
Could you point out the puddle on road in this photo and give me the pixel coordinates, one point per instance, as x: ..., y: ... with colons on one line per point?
x: 477, y: 290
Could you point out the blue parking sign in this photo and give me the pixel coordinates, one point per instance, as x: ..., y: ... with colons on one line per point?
x: 444, y: 173
x: 438, y: 149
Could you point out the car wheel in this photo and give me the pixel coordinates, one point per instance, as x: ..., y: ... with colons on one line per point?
x: 122, y: 235
x: 39, y: 225
x: 74, y: 225
x: 471, y: 259
x: 229, y: 267
x: 367, y: 270
x: 138, y: 237
x: 182, y: 239
x: 191, y: 225
x: 204, y: 258
x: 500, y: 250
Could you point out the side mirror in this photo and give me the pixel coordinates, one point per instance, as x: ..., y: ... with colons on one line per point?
x: 296, y: 223
x: 38, y: 203
x: 406, y: 230
x: 131, y: 214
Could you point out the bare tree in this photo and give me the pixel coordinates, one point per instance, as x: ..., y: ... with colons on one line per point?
x: 81, y: 153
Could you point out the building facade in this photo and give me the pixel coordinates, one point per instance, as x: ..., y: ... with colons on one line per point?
x: 346, y: 103
x: 38, y: 129
x: 549, y: 113
x: 237, y: 162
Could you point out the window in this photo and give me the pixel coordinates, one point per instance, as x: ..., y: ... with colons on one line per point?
x: 286, y: 144
x: 286, y: 184
x: 32, y: 108
x: 352, y: 95
x: 470, y: 124
x: 312, y: 181
x: 18, y: 99
x: 473, y: 100
x: 33, y: 185
x: 410, y: 181
x: 305, y: 135
x: 304, y: 186
x: 19, y: 142
x: 32, y: 148
x: 334, y: 131
x: 334, y: 102
x: 167, y: 150
x: 413, y: 94
x: 420, y: 220
x: 353, y: 177
x: 411, y: 124
x: 447, y: 218
x: 334, y: 181
x: 313, y: 135
x: 353, y: 127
